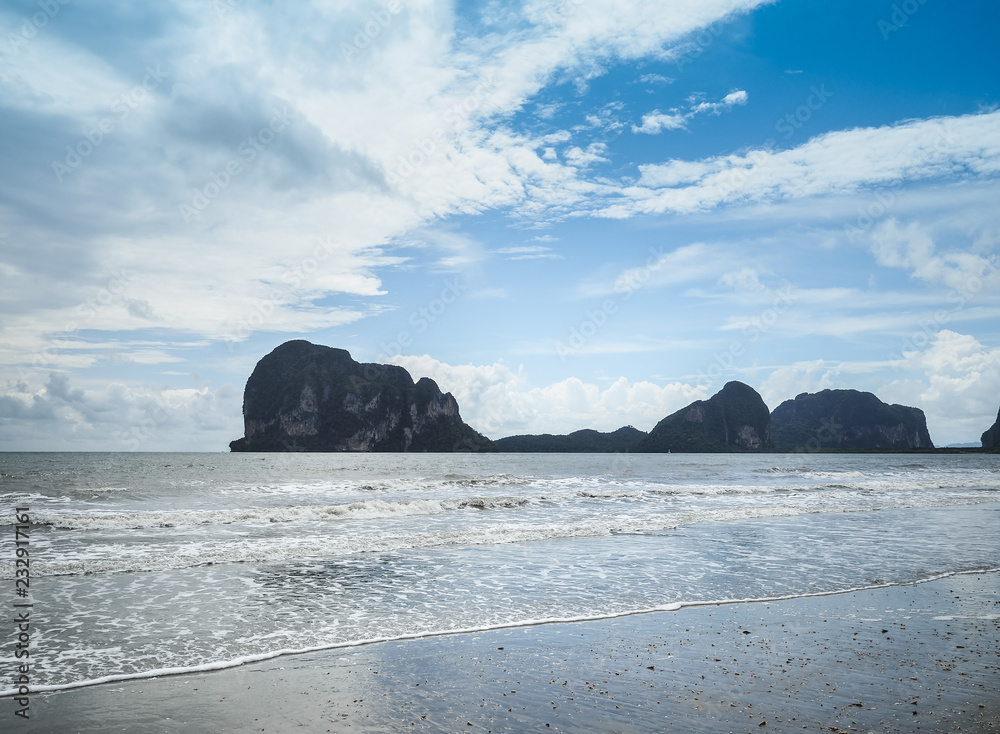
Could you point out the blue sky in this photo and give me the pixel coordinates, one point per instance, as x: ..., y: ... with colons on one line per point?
x: 571, y: 214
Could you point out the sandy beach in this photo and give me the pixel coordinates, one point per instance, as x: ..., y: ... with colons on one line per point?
x: 906, y: 658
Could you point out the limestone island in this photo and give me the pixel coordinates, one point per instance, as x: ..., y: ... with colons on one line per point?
x: 306, y: 397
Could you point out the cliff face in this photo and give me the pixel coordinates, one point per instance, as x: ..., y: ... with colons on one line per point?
x: 306, y: 397
x: 734, y: 419
x: 991, y: 439
x: 585, y: 441
x: 847, y: 419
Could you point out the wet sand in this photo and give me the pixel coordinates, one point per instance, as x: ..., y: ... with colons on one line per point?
x: 910, y: 658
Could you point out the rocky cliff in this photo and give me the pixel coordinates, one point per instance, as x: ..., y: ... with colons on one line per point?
x: 585, y: 441
x: 991, y: 439
x: 846, y: 419
x: 306, y: 397
x: 734, y: 419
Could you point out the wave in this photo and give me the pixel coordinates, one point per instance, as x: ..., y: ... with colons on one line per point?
x: 721, y: 489
x: 164, y: 556
x: 492, y: 480
x: 490, y: 503
x: 669, y: 607
x: 370, y: 509
x: 51, y: 516
x: 783, y: 470
x: 169, y: 555
x: 609, y: 494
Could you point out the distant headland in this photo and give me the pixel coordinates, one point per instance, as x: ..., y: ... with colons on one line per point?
x: 307, y: 397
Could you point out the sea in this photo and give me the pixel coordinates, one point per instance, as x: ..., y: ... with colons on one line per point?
x: 138, y: 565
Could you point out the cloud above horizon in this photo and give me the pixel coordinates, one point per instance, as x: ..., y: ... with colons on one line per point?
x: 834, y: 163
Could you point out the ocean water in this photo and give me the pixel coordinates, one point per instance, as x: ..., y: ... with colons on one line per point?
x: 142, y: 564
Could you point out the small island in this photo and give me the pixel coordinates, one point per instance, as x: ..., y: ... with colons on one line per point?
x: 735, y: 419
x: 847, y: 419
x: 586, y: 441
x: 307, y: 397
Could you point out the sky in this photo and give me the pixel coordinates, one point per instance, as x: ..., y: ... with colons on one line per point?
x: 569, y: 213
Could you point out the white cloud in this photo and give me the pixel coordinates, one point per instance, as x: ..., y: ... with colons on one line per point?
x: 51, y: 75
x: 656, y: 122
x: 957, y: 386
x: 734, y: 98
x: 784, y: 383
x: 117, y: 417
x: 595, y: 153
x: 630, y: 28
x: 739, y: 97
x: 830, y: 164
x: 656, y: 79
x: 679, y: 266
x: 548, y: 111
x: 456, y: 251
x: 489, y: 293
x: 499, y: 402
x: 418, y: 116
x: 912, y: 248
x: 529, y: 252
x: 744, y: 279
x: 682, y: 265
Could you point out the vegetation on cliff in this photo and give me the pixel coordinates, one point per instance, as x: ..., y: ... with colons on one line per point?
x: 991, y: 438
x: 586, y: 441
x: 847, y: 419
x: 734, y: 419
x: 307, y: 397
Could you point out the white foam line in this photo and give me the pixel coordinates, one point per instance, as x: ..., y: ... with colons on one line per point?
x: 503, y: 534
x: 672, y: 607
x: 366, y: 509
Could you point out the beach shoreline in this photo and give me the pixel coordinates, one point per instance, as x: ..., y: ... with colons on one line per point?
x: 911, y: 657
